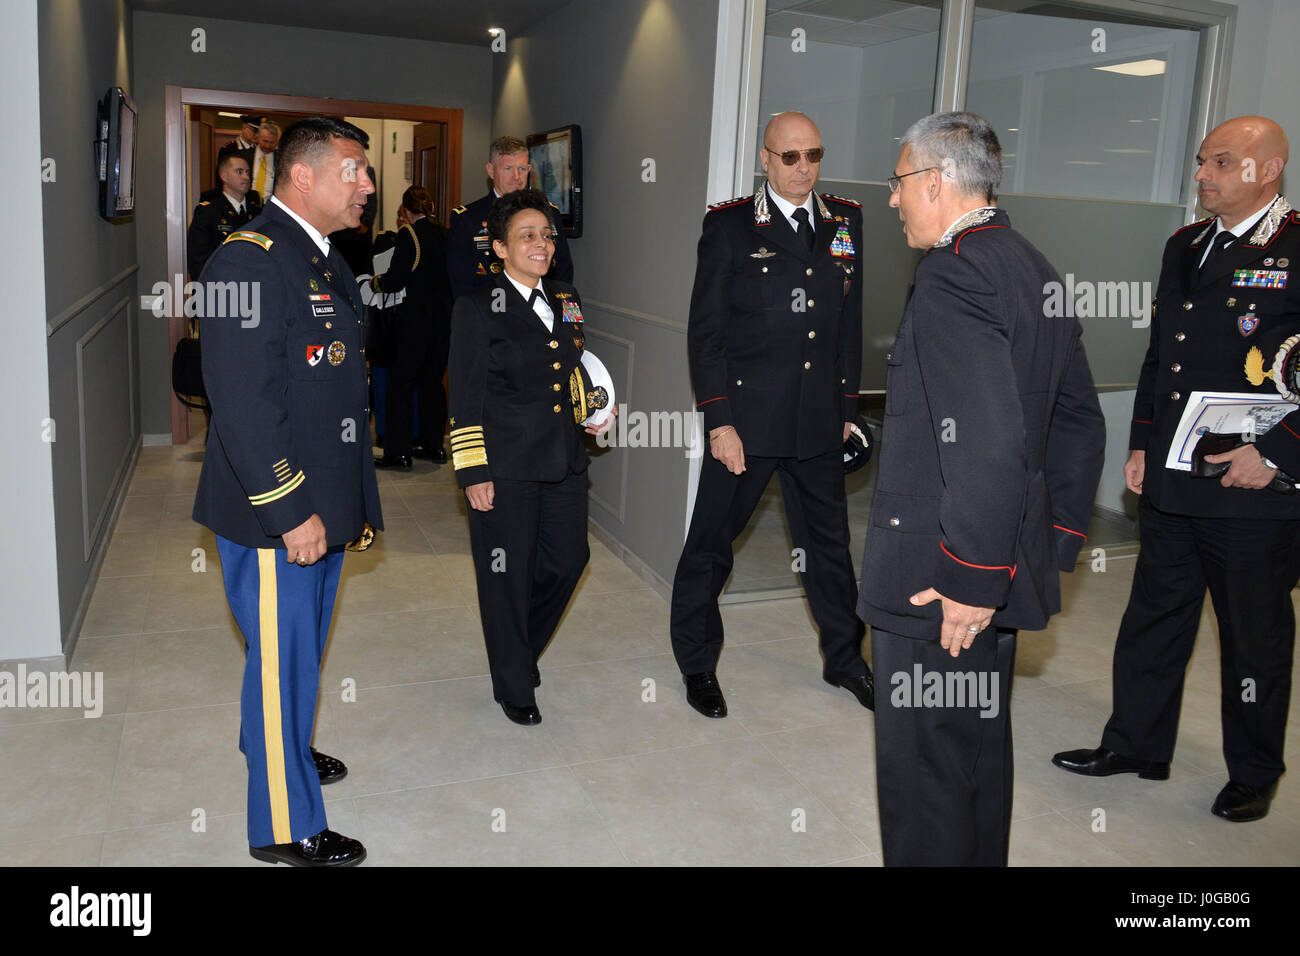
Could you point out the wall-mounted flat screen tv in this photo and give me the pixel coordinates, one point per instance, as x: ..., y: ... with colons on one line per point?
x: 556, y: 156
x: 115, y: 154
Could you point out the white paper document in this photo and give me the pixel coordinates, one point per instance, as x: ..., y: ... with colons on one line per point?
x: 1231, y: 413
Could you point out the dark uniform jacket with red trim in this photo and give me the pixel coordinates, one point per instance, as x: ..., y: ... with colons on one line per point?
x: 1203, y: 328
x: 290, y: 432
x: 992, y: 444
x: 470, y: 262
x: 510, y: 385
x: 775, y: 333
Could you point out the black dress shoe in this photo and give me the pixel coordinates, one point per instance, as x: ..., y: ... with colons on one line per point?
x: 537, y: 677
x: 326, y: 848
x: 704, y: 694
x: 330, y: 768
x: 1102, y: 763
x: 863, y: 688
x: 1241, y: 803
x: 522, y: 715
x: 437, y: 454
x: 393, y: 461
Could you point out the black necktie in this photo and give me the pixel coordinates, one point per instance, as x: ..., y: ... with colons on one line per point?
x: 1220, y: 242
x: 532, y: 299
x: 805, y: 227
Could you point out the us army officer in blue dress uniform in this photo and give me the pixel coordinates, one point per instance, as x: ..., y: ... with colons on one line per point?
x: 288, y: 479
x: 1228, y: 298
x: 470, y: 261
x: 517, y: 446
x: 775, y: 343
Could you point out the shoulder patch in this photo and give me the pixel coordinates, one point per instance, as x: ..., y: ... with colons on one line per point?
x: 248, y: 236
x: 731, y: 202
x: 206, y: 202
x: 1194, y: 225
x: 458, y: 210
x: 847, y: 202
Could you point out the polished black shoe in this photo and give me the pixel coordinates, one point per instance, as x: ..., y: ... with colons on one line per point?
x: 326, y: 848
x: 331, y: 769
x: 863, y: 688
x: 439, y: 457
x: 1241, y: 803
x: 522, y: 715
x: 437, y: 454
x: 537, y: 677
x: 393, y: 461
x: 704, y: 694
x: 1102, y: 763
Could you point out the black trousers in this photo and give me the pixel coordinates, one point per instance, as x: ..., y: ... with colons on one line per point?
x: 529, y: 552
x: 1249, y: 566
x: 816, y: 511
x: 943, y: 769
x: 421, y: 363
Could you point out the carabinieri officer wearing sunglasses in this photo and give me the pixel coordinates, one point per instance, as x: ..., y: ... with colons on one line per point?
x: 775, y: 344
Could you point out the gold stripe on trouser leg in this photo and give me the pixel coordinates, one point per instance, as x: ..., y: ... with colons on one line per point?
x: 269, y: 642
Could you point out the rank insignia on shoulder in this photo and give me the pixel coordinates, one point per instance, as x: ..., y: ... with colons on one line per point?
x: 254, y: 237
x: 458, y: 210
x: 206, y: 202
x: 843, y: 199
x: 730, y: 202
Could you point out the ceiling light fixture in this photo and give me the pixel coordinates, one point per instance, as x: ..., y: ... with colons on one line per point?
x: 1135, y: 68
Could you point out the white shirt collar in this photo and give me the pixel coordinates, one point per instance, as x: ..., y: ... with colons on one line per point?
x: 787, y: 208
x: 543, y: 308
x: 1243, y: 227
x: 237, y: 203
x: 523, y: 289
x: 322, y: 243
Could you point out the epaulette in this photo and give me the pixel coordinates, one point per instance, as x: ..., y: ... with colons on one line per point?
x: 731, y: 202
x: 206, y: 202
x: 255, y: 237
x: 846, y: 201
x: 458, y: 210
x: 1194, y: 225
x: 415, y: 239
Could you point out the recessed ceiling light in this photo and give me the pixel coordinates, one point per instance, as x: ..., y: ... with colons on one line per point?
x: 1013, y: 129
x: 494, y: 31
x: 1136, y: 68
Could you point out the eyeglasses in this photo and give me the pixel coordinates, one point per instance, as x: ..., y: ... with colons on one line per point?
x: 895, y: 181
x: 791, y: 156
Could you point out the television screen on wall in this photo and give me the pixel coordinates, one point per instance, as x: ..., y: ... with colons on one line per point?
x: 115, y: 154
x: 556, y: 157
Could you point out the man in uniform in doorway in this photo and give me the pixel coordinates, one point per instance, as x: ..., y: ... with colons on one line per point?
x: 775, y: 344
x: 221, y: 212
x: 470, y: 264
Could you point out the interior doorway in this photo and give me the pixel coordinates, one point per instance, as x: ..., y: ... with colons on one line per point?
x: 194, y: 134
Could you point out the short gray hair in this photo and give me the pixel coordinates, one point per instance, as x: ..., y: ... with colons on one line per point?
x: 270, y: 127
x: 964, y: 146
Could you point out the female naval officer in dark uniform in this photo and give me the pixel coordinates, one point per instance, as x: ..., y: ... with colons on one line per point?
x: 517, y: 445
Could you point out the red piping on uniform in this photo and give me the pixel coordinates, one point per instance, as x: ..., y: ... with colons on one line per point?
x: 981, y: 567
x: 1284, y: 425
x: 1140, y: 421
x: 956, y: 249
x: 1068, y: 531
x: 706, y: 401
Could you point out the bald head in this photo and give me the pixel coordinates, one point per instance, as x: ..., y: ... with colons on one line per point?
x: 1241, y: 163
x: 787, y: 132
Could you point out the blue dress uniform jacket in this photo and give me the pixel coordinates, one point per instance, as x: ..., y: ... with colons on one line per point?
x: 992, y: 444
x: 775, y: 333
x: 1204, y: 325
x: 509, y: 386
x: 290, y: 424
x: 470, y: 262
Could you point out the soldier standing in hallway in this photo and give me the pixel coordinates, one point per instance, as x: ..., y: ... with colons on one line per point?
x: 1224, y: 308
x: 775, y: 342
x: 288, y: 479
x: 470, y: 263
x: 221, y: 212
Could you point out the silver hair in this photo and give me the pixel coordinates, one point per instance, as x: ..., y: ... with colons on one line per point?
x: 269, y: 126
x: 963, y: 146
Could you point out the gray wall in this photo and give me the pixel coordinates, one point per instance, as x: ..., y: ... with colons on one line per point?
x: 637, y: 75
x: 28, y: 587
x: 84, y: 48
x: 258, y: 58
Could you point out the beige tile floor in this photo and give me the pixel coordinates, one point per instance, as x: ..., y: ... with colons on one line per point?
x: 609, y: 778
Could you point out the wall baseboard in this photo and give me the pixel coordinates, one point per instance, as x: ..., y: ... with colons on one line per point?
x: 638, y: 567
x: 156, y: 438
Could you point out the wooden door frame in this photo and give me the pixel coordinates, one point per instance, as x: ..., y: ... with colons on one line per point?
x: 175, y: 116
